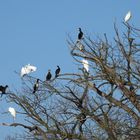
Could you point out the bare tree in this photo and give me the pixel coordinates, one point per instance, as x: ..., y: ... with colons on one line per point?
x: 102, y: 103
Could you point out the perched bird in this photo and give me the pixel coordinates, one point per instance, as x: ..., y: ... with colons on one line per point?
x: 49, y: 75
x: 85, y: 64
x: 131, y: 88
x: 36, y: 86
x: 80, y: 35
x: 81, y: 47
x: 12, y: 111
x: 27, y: 69
x: 128, y: 16
x: 57, y: 71
x: 3, y: 89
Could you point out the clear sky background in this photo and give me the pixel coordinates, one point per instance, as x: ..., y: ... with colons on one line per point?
x: 35, y: 32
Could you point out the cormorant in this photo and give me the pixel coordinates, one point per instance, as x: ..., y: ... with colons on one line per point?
x: 3, y: 89
x: 36, y: 85
x: 131, y: 88
x: 49, y: 75
x: 57, y: 71
x: 80, y: 35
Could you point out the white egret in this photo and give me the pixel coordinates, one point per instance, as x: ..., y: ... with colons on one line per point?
x: 12, y: 111
x: 85, y: 64
x: 81, y: 47
x: 128, y: 16
x: 27, y: 69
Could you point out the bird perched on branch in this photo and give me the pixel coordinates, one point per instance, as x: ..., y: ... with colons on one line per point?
x: 3, y: 89
x: 85, y: 65
x: 80, y: 35
x: 57, y: 72
x: 36, y: 86
x: 49, y: 75
x: 128, y: 16
x: 12, y: 111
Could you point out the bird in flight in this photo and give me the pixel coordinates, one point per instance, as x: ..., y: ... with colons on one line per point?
x: 36, y: 86
x: 27, y: 69
x: 57, y: 71
x: 3, y: 89
x: 128, y: 16
x: 49, y: 75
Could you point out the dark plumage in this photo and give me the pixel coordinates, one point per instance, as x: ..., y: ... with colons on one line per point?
x: 57, y: 71
x: 132, y: 88
x: 3, y: 89
x: 80, y: 35
x: 49, y: 75
x: 36, y: 86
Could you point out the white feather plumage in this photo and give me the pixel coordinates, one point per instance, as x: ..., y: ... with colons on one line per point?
x: 128, y: 16
x: 85, y: 64
x: 12, y: 111
x: 27, y: 69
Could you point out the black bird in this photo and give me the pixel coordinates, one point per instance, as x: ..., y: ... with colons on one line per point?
x: 57, y: 71
x: 131, y: 88
x: 49, y: 75
x: 3, y: 89
x: 80, y: 35
x: 36, y: 86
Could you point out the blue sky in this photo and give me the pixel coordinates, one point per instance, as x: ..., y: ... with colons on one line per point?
x: 35, y: 31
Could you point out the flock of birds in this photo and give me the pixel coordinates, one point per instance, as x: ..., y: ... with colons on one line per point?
x: 30, y: 68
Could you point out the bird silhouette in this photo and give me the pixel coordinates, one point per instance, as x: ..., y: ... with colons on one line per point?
x: 36, y: 86
x: 80, y: 35
x: 49, y: 75
x: 131, y: 88
x: 57, y: 71
x: 3, y: 89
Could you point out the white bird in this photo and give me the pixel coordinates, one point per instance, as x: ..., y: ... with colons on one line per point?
x: 12, y: 111
x: 85, y: 64
x: 81, y: 47
x: 27, y: 69
x: 128, y: 16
